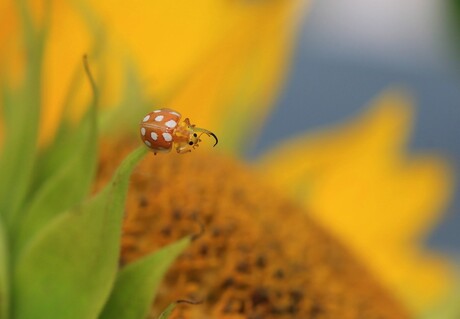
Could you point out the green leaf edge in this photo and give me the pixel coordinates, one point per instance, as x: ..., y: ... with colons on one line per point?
x: 137, y: 283
x: 33, y: 272
x: 19, y: 151
x: 61, y: 149
x: 4, y: 271
x: 168, y: 311
x: 76, y: 171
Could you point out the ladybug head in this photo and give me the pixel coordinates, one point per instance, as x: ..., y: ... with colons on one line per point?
x: 195, y: 134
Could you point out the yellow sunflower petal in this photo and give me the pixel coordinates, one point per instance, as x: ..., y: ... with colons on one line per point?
x: 67, y: 40
x: 358, y: 181
x: 206, y: 58
x: 242, y: 74
x: 218, y: 62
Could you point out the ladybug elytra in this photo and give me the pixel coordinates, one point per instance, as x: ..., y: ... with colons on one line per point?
x: 161, y: 130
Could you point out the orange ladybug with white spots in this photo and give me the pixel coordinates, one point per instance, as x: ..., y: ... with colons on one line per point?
x: 161, y: 130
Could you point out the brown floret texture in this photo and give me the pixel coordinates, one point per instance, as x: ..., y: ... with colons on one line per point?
x: 260, y: 255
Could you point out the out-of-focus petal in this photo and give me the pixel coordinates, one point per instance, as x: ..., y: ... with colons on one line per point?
x: 68, y: 38
x: 358, y: 181
x: 218, y: 62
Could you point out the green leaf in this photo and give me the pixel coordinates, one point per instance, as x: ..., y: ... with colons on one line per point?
x: 453, y: 22
x: 16, y: 162
x: 62, y: 149
x: 21, y: 114
x: 138, y: 282
x: 67, y: 271
x: 168, y: 311
x: 75, y: 156
x: 4, y: 278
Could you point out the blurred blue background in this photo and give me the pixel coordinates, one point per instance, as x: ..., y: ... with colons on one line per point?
x: 349, y: 51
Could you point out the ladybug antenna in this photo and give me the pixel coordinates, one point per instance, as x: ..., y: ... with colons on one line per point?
x: 208, y: 133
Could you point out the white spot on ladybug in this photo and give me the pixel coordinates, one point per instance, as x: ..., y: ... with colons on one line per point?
x: 159, y: 118
x: 148, y: 143
x: 174, y: 113
x: 154, y: 136
x: 171, y: 124
x: 143, y: 131
x: 167, y: 137
x: 146, y: 118
x: 157, y: 111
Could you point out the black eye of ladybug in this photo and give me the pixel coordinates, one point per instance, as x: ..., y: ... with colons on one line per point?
x: 190, y: 143
x: 195, y: 135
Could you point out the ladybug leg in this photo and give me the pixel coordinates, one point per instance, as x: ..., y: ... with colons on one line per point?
x: 183, y: 148
x: 183, y: 151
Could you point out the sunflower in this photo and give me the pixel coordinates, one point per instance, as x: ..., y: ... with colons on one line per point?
x: 326, y: 225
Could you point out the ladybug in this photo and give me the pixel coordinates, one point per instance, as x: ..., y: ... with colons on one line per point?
x: 161, y: 130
